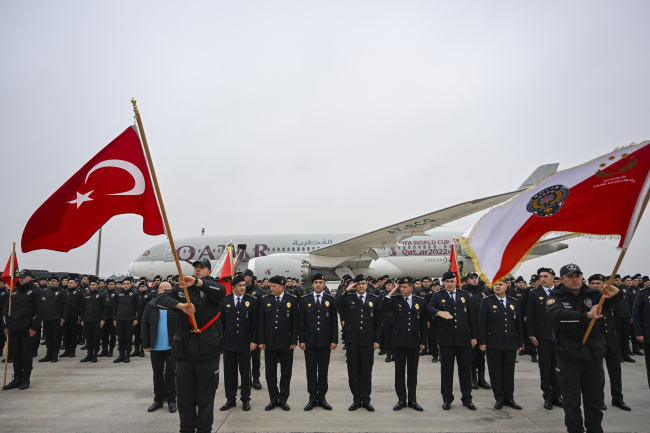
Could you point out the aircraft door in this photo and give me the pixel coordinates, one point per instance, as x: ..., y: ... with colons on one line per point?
x: 169, y: 255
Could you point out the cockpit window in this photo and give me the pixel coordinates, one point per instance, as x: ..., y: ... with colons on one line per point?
x: 146, y: 253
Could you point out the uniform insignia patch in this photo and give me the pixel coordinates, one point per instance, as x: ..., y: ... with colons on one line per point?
x: 130, y: 293
x: 309, y: 305
x: 512, y: 307
x: 588, y: 303
x: 484, y: 295
x: 327, y: 303
x: 541, y: 298
x: 29, y: 292
x: 43, y: 297
x: 288, y: 304
x: 417, y: 306
x: 96, y: 296
x: 56, y: 293
x: 494, y: 306
x: 443, y: 301
x: 228, y: 306
x: 111, y: 295
x: 462, y: 299
x: 550, y: 301
x: 370, y: 303
x: 247, y: 303
x: 268, y: 305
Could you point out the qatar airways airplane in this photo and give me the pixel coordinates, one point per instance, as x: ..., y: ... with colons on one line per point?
x: 405, y: 248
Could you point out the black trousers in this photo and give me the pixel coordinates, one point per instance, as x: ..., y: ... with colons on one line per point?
x: 124, y: 332
x: 271, y: 358
x: 646, y: 351
x: 233, y: 361
x: 501, y: 365
x: 432, y: 339
x: 529, y: 347
x: 196, y: 386
x: 478, y: 362
x: 317, y: 363
x: 52, y: 331
x: 36, y: 339
x: 406, y: 363
x: 463, y: 355
x: 92, y: 331
x: 613, y: 362
x: 21, y: 345
x: 584, y: 383
x: 623, y: 330
x: 164, y: 372
x: 256, y: 361
x: 360, y: 360
x: 80, y: 332
x: 108, y: 336
x: 137, y: 338
x: 547, y: 364
x: 69, y: 331
x: 386, y: 335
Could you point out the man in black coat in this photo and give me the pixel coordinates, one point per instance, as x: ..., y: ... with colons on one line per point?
x: 641, y: 315
x: 278, y: 336
x: 126, y: 310
x: 476, y: 294
x: 254, y: 290
x: 457, y: 335
x: 93, y: 318
x: 20, y: 327
x: 387, y: 321
x: 158, y: 326
x: 196, y: 354
x: 501, y: 335
x: 108, y: 330
x: 540, y: 333
x: 319, y: 335
x: 623, y: 311
x: 239, y: 317
x: 73, y: 299
x: 408, y: 339
x: 146, y: 294
x: 56, y: 310
x: 362, y: 337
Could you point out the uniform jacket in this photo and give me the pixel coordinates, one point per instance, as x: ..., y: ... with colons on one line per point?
x: 127, y: 304
x: 476, y: 295
x: 362, y: 322
x: 498, y: 327
x: 623, y: 308
x: 54, y: 303
x: 110, y: 297
x: 145, y: 298
x: 607, y: 325
x: 92, y: 307
x: 410, y: 328
x: 149, y: 325
x: 641, y: 314
x: 318, y: 327
x: 26, y: 313
x: 568, y: 315
x: 460, y: 330
x: 73, y: 299
x: 387, y: 315
x: 538, y: 322
x: 278, y: 325
x: 187, y: 345
x: 240, y: 325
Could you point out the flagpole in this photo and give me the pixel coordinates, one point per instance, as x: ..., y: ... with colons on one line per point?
x: 11, y: 286
x: 99, y: 250
x: 162, y: 206
x: 456, y: 257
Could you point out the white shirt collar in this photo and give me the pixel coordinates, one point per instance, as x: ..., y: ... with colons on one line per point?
x: 502, y: 300
x: 280, y: 296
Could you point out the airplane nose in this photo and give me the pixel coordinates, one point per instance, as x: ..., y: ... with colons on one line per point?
x: 131, y: 268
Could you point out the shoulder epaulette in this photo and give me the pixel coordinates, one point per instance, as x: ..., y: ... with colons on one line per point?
x: 246, y: 294
x: 328, y: 294
x: 419, y: 297
x: 461, y: 290
x: 491, y: 296
x: 644, y: 288
x: 512, y: 297
x: 291, y: 296
x: 374, y: 296
x: 267, y: 295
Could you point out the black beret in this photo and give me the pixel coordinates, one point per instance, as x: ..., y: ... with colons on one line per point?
x: 389, y: 281
x: 248, y: 273
x: 405, y: 280
x: 238, y: 279
x: 597, y: 277
x: 93, y: 280
x: 54, y: 277
x: 626, y: 277
x: 426, y: 279
x: 636, y: 276
x: 448, y: 276
x: 359, y: 278
x: 318, y: 276
x: 110, y: 280
x: 436, y: 282
x: 157, y: 276
x: 549, y: 270
x: 142, y: 283
x: 127, y: 279
x: 534, y: 278
x: 278, y: 280
x: 520, y: 278
x: 385, y: 277
x: 84, y: 276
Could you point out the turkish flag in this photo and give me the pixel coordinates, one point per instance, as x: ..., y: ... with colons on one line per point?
x: 453, y: 260
x: 115, y: 181
x: 226, y: 272
x: 6, y: 275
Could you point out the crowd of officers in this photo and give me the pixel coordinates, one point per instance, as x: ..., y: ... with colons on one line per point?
x: 406, y: 319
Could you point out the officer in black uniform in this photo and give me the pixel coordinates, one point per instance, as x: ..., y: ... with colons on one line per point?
x: 73, y: 298
x: 56, y: 310
x: 424, y: 293
x: 529, y: 347
x: 319, y: 335
x: 408, y: 339
x: 540, y: 333
x: 197, y: 354
x: 624, y: 318
x: 607, y: 325
x: 4, y: 299
x: 571, y: 306
x: 93, y: 318
x: 253, y: 290
x: 108, y: 330
x: 457, y: 335
x: 20, y: 327
x: 476, y: 294
x: 501, y: 335
x: 239, y: 317
x: 126, y: 310
x: 432, y: 340
x: 387, y: 322
x: 362, y: 336
x: 641, y: 316
x: 278, y: 336
x: 145, y: 294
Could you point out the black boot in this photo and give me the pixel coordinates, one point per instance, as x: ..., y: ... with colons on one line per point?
x: 55, y: 358
x: 110, y: 351
x: 141, y: 355
x: 25, y: 383
x: 382, y: 352
x: 65, y: 353
x: 84, y: 347
x: 135, y: 353
x: 103, y: 353
x: 13, y: 384
x: 47, y: 358
x: 474, y: 380
x: 388, y: 357
x: 88, y: 357
x: 482, y: 382
x: 94, y: 358
x: 120, y: 358
x: 127, y: 359
x: 72, y: 353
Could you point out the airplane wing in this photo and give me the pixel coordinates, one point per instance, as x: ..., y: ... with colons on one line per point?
x: 389, y: 236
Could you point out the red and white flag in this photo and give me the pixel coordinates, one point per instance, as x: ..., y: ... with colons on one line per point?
x: 115, y: 181
x: 577, y: 200
x: 453, y: 263
x: 226, y: 272
x: 6, y: 275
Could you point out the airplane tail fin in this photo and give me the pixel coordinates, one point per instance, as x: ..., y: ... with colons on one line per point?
x: 540, y: 173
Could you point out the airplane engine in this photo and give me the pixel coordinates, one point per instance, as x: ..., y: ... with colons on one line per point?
x: 285, y: 266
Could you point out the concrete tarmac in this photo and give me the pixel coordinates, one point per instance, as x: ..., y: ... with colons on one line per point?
x: 105, y: 397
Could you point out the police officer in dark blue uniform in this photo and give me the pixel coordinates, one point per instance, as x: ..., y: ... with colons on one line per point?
x: 73, y: 298
x: 239, y: 317
x: 500, y: 336
x: 362, y: 337
x: 408, y: 339
x: 278, y: 336
x: 457, y: 335
x: 127, y: 306
x: 93, y: 318
x: 641, y: 316
x: 607, y: 325
x: 108, y: 331
x: 56, y: 310
x: 476, y: 294
x: 319, y: 335
x: 571, y: 306
x: 256, y: 292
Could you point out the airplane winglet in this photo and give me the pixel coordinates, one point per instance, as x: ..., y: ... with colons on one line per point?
x: 540, y: 173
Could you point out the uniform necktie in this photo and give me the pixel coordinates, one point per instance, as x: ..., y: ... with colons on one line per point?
x: 503, y: 301
x: 362, y: 300
x: 237, y: 303
x: 318, y: 301
x: 408, y: 301
x: 453, y: 297
x: 277, y: 300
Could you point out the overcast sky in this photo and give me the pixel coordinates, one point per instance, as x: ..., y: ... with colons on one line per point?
x: 317, y: 117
